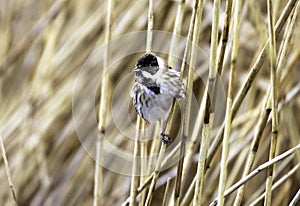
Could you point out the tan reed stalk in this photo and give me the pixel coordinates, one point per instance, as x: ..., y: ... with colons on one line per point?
x: 274, y: 96
x: 155, y: 174
x: 224, y: 37
x: 264, y: 116
x: 98, y: 176
x: 195, y: 42
x: 294, y: 92
x: 168, y: 191
x: 258, y: 170
x: 201, y: 164
x: 249, y: 80
x: 135, y: 169
x: 254, y: 146
x: 146, y: 183
x: 149, y: 196
x: 170, y: 155
x: 295, y: 199
x: 228, y: 115
x: 239, y: 153
x: 214, y: 46
x: 198, y: 8
x: 194, y: 139
x: 260, y: 191
x: 11, y: 185
x: 216, y: 172
x: 176, y: 31
x: 144, y: 165
x: 187, y: 51
x: 277, y: 183
x: 158, y: 164
x: 140, y: 122
x: 40, y: 138
x: 150, y: 25
x: 154, y: 148
x: 209, y: 105
x: 169, y: 121
x: 184, y: 135
x: 149, y: 180
x: 156, y: 142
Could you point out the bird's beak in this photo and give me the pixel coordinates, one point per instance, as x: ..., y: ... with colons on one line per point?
x: 135, y: 69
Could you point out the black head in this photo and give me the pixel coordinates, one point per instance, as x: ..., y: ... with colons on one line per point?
x: 147, y: 60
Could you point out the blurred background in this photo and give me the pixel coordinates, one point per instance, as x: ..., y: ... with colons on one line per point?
x: 44, y: 45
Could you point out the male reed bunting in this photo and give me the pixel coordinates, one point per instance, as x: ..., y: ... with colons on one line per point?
x: 156, y: 86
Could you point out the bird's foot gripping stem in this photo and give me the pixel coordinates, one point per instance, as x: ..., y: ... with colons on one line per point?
x: 165, y: 138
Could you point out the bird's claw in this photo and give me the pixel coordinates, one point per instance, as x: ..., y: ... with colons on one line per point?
x: 165, y: 138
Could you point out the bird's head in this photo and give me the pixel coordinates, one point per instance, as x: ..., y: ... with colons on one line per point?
x: 147, y: 66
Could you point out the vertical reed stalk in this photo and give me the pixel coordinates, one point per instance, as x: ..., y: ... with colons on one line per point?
x: 198, y: 8
x: 49, y: 69
x: 167, y: 192
x: 98, y: 176
x: 274, y: 95
x: 201, y: 164
x: 135, y: 165
x: 228, y: 116
x: 176, y: 31
x: 148, y: 198
x: 224, y: 37
x: 154, y: 147
x: 144, y: 163
x: 266, y: 110
x: 167, y: 128
x: 150, y: 25
x: 140, y: 122
x: 249, y: 80
x: 209, y: 108
x: 243, y: 92
x: 155, y: 174
x: 195, y: 135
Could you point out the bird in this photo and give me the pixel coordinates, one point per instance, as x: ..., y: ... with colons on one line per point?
x: 156, y: 86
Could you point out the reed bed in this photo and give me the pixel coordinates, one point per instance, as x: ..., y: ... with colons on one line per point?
x: 70, y: 135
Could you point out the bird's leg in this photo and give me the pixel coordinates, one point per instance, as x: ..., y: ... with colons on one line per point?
x: 165, y: 137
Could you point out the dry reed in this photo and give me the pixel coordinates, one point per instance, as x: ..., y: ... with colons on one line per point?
x: 53, y: 135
